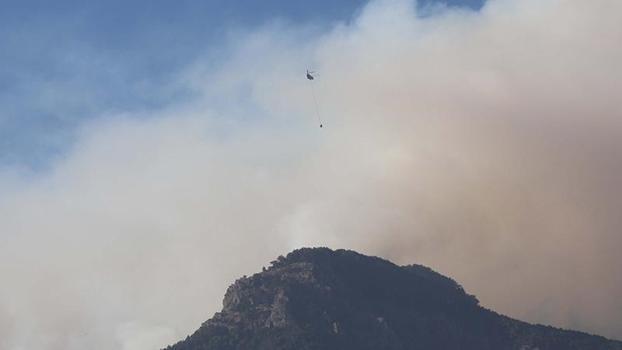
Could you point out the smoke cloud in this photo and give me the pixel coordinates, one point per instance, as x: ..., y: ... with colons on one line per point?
x: 486, y: 145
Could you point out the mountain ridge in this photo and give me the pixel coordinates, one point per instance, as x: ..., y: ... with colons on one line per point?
x: 318, y: 298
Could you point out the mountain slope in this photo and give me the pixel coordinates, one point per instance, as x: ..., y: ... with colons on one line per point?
x: 324, y: 299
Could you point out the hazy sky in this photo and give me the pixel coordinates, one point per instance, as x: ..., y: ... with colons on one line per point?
x: 66, y: 61
x: 151, y: 154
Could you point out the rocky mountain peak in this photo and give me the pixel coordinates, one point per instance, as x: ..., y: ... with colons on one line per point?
x: 318, y: 298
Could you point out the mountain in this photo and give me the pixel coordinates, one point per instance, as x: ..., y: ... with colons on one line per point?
x: 320, y: 299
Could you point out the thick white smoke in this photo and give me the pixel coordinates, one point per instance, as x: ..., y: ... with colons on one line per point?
x: 486, y: 145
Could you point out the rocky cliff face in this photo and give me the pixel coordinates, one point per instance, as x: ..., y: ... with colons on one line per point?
x: 322, y: 299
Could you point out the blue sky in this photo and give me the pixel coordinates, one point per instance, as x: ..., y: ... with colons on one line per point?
x: 63, y: 62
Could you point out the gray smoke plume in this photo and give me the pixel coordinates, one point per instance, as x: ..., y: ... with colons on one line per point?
x: 487, y: 145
